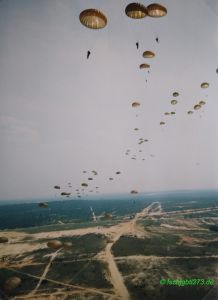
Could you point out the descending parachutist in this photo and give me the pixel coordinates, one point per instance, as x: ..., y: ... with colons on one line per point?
x: 137, y: 45
x: 88, y: 54
x: 157, y: 40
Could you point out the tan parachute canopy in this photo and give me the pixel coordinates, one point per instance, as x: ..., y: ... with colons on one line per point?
x: 57, y: 187
x: 202, y: 102
x: 167, y: 113
x: 197, y: 106
x: 174, y: 102
x: 84, y: 184
x: 204, y: 85
x: 55, y: 244
x: 156, y: 10
x: 144, y: 66
x: 162, y: 123
x: 134, y: 192
x: 43, y: 205
x: 12, y: 283
x: 136, y: 11
x: 173, y: 112
x: 135, y: 104
x: 3, y: 239
x: 136, y: 129
x: 93, y: 18
x: 65, y: 194
x: 175, y: 94
x: 190, y: 112
x: 94, y: 172
x: 148, y: 54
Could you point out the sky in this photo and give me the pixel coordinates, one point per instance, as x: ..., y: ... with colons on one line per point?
x: 61, y: 114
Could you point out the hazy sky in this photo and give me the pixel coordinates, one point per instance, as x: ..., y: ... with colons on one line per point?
x: 61, y: 114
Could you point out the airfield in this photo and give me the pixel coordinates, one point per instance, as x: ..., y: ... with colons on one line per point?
x: 117, y: 260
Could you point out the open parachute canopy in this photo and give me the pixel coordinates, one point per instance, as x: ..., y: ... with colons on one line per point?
x: 174, y: 102
x: 197, y: 106
x: 57, y: 187
x: 93, y: 18
x: 175, y: 94
x: 136, y: 11
x: 202, y: 102
x: 55, y: 244
x: 144, y: 66
x: 84, y: 184
x: 134, y: 192
x: 148, y: 54
x: 162, y: 123
x: 135, y: 104
x: 190, y: 112
x: 204, y: 85
x: 156, y: 10
x: 43, y: 205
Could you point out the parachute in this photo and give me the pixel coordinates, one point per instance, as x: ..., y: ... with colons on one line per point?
x: 57, y: 187
x: 202, y: 102
x: 90, y: 178
x: 174, y: 102
x: 136, y: 11
x: 148, y: 54
x: 12, y: 283
x: 197, y: 106
x: 55, y: 244
x: 118, y: 172
x: 204, y: 85
x: 84, y: 184
x: 173, y: 113
x: 136, y: 129
x: 190, y: 112
x: 156, y: 10
x: 134, y: 192
x: 93, y: 18
x: 167, y: 113
x: 94, y: 172
x: 144, y: 66
x: 43, y: 205
x: 135, y: 104
x: 65, y: 194
x: 175, y: 94
x: 162, y: 123
x: 111, y: 178
x: 3, y: 239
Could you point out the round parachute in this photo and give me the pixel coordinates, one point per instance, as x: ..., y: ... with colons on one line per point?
x: 54, y: 244
x: 136, y: 11
x: 156, y: 10
x: 12, y: 283
x: 174, y: 102
x: 43, y: 205
x: 148, y: 54
x: 135, y: 104
x: 173, y: 113
x: 84, y: 184
x: 144, y: 66
x: 202, y: 102
x: 204, y: 85
x: 175, y: 94
x: 118, y: 172
x: 93, y: 18
x: 162, y: 123
x: 197, y: 106
x: 57, y: 187
x: 190, y: 112
x: 134, y: 192
x: 167, y: 113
